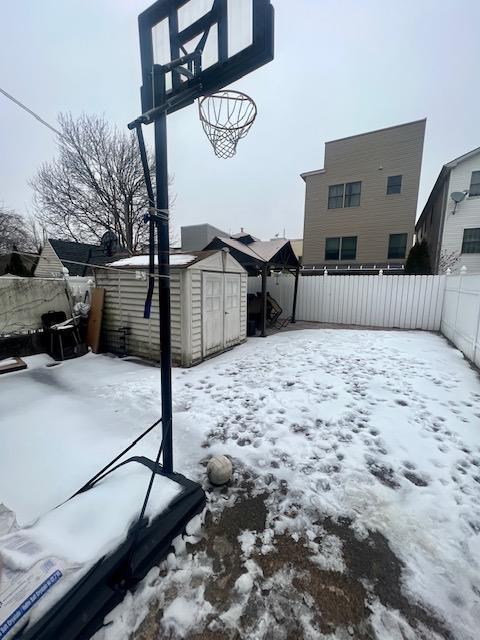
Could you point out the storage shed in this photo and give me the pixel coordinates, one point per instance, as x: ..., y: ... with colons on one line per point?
x: 208, y: 306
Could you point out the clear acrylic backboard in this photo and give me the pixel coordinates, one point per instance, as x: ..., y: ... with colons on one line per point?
x: 219, y: 42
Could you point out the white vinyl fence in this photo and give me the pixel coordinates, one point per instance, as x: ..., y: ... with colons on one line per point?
x: 461, y: 314
x: 23, y: 301
x: 404, y: 302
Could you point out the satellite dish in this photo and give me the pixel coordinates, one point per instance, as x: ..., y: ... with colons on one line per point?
x: 457, y: 196
x: 109, y: 243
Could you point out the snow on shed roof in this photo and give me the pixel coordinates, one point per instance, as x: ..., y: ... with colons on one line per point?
x: 176, y: 259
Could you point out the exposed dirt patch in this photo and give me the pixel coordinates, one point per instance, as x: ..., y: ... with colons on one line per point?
x: 290, y: 586
x: 372, y: 560
x: 339, y: 600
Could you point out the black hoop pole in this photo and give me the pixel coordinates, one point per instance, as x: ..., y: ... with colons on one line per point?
x: 163, y: 253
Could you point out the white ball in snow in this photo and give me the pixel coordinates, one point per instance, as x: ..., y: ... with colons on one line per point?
x: 219, y: 470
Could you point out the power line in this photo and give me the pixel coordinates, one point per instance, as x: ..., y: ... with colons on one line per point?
x: 32, y: 113
x: 124, y: 270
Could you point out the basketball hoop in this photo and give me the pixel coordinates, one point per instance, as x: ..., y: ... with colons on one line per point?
x: 226, y: 117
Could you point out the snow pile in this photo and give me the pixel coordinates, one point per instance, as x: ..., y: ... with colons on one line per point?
x: 176, y: 260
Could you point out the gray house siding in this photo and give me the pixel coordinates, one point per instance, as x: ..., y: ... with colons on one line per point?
x: 430, y: 225
x: 369, y: 158
x: 196, y: 237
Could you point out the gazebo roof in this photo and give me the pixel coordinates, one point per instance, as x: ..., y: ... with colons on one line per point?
x: 256, y: 255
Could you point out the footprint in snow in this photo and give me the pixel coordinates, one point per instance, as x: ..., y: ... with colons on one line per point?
x: 419, y: 480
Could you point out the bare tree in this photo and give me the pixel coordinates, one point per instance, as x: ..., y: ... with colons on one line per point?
x: 447, y: 260
x: 95, y: 185
x: 15, y: 231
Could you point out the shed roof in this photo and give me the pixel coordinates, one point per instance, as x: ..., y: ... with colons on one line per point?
x: 177, y: 260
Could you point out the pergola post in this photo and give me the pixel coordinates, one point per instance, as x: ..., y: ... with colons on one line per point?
x: 295, y: 291
x: 264, y: 301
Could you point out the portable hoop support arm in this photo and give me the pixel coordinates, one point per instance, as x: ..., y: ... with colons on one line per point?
x: 148, y: 218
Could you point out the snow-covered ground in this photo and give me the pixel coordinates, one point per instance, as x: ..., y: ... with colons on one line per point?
x: 355, y: 506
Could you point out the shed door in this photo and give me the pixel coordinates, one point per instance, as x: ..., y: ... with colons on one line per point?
x: 232, y: 309
x: 213, y: 313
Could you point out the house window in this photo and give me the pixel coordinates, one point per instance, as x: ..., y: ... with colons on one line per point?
x: 341, y: 248
x: 352, y: 194
x: 471, y: 240
x: 475, y: 184
x: 332, y: 248
x: 397, y: 245
x: 348, y: 249
x: 394, y: 184
x: 335, y: 196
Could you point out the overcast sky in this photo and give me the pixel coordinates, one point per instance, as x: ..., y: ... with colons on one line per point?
x: 341, y: 67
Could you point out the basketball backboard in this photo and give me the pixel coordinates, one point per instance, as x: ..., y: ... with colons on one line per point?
x: 201, y: 47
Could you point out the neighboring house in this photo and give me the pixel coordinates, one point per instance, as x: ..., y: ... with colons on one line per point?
x: 195, y: 237
x: 75, y: 256
x: 452, y: 231
x: 360, y: 208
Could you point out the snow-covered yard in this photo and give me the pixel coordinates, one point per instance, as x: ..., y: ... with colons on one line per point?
x: 355, y: 505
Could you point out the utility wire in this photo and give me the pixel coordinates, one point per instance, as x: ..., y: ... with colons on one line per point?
x: 95, y: 266
x: 32, y: 113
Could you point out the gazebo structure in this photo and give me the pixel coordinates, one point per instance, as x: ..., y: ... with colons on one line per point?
x: 259, y: 258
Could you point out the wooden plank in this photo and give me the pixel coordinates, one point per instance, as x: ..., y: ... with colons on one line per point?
x: 9, y: 365
x: 95, y: 319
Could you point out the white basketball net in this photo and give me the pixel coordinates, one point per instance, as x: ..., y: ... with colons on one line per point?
x: 226, y: 117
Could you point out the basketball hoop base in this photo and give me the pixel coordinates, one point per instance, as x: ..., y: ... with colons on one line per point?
x: 81, y: 612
